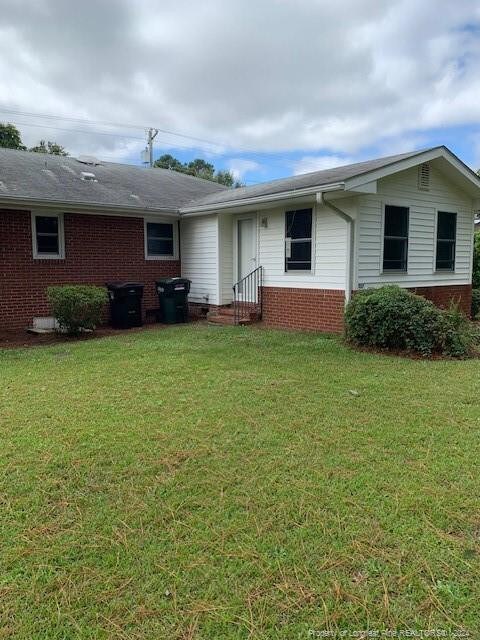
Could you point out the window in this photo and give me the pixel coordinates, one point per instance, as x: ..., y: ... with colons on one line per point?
x: 47, y: 235
x: 446, y: 240
x: 395, y: 238
x: 160, y: 240
x: 298, y: 240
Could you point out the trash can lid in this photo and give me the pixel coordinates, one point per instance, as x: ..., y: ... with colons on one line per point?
x: 117, y: 286
x: 173, y: 281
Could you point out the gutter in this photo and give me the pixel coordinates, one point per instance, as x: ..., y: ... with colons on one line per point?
x: 284, y: 195
x: 351, y: 241
x: 13, y: 202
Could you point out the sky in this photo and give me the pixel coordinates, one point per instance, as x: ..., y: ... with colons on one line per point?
x: 264, y: 88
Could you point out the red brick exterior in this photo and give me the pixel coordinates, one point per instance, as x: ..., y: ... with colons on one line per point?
x: 444, y: 296
x: 307, y: 309
x: 98, y: 249
x: 322, y: 309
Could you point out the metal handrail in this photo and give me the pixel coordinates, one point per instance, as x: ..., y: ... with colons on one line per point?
x: 248, y: 296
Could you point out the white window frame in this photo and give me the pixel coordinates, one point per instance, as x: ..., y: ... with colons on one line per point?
x: 400, y: 204
x: 174, y: 224
x: 61, y: 236
x: 435, y: 242
x: 312, y: 243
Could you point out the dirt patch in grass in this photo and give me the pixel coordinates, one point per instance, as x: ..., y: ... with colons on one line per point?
x: 22, y: 338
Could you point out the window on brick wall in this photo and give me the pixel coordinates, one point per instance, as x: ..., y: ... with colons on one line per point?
x: 160, y: 240
x: 395, y: 238
x: 298, y: 240
x: 48, y: 236
x: 446, y: 241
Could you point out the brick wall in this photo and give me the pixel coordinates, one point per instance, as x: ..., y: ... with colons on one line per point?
x: 443, y: 296
x: 98, y: 249
x: 308, y: 309
x: 322, y: 309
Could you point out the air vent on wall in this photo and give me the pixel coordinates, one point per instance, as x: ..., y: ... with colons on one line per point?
x: 424, y: 176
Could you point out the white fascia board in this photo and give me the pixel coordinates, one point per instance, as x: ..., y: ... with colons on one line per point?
x: 368, y: 187
x: 83, y: 207
x: 259, y: 200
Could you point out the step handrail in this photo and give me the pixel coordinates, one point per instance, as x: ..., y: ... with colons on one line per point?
x: 248, y: 295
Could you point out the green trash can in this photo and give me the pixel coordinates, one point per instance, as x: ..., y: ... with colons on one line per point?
x: 173, y: 299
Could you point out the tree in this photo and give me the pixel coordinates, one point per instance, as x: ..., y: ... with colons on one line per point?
x: 169, y: 162
x: 49, y: 147
x: 228, y: 179
x: 199, y: 168
x: 476, y: 261
x: 10, y: 137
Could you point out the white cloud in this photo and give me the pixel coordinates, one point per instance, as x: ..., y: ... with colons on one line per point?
x: 240, y: 167
x: 268, y: 76
x: 318, y: 163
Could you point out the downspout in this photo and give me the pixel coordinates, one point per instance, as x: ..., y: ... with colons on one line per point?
x: 351, y: 240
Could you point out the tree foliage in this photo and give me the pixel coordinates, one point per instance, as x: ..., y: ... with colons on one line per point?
x: 10, y: 137
x: 199, y: 168
x: 49, y: 147
x: 476, y: 262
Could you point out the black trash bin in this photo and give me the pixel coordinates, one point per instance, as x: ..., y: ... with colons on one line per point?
x: 173, y: 299
x: 125, y: 304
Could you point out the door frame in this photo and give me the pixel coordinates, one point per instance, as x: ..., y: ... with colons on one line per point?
x: 245, y: 216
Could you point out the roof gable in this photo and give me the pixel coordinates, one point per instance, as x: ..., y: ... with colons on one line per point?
x: 344, y: 178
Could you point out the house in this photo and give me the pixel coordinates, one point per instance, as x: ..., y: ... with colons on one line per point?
x: 66, y: 220
x: 301, y: 246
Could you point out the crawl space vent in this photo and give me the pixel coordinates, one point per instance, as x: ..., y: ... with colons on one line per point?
x: 424, y: 177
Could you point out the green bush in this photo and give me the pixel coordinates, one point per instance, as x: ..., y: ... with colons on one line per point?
x: 476, y: 262
x: 77, y: 307
x: 393, y: 318
x: 454, y: 334
x: 475, y: 303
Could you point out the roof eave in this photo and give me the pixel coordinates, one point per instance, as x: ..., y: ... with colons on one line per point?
x: 12, y: 202
x: 260, y: 200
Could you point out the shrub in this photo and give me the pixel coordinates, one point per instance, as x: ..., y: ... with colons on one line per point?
x: 454, y: 334
x: 475, y: 303
x: 77, y: 307
x: 394, y: 318
x: 476, y: 262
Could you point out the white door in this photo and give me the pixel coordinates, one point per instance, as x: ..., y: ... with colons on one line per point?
x: 246, y: 252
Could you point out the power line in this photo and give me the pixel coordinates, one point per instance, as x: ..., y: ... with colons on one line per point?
x: 92, y: 132
x: 165, y: 142
x: 105, y: 122
x: 220, y: 145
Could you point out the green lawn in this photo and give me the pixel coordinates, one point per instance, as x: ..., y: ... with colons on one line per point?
x: 203, y: 482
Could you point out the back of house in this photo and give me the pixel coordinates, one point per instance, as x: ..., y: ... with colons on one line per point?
x: 406, y: 219
x: 296, y: 249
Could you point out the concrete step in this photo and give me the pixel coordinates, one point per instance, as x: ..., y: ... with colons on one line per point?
x: 216, y: 318
x: 225, y: 319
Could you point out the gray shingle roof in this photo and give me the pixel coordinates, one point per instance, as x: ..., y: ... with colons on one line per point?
x: 313, y: 179
x: 42, y: 177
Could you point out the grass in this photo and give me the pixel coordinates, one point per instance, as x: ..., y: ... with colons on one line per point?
x: 204, y: 482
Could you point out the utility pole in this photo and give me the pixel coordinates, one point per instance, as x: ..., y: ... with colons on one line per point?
x: 152, y: 134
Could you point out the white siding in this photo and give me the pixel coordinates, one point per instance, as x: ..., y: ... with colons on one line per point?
x: 402, y: 189
x: 199, y: 256
x: 225, y: 225
x: 329, y: 252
